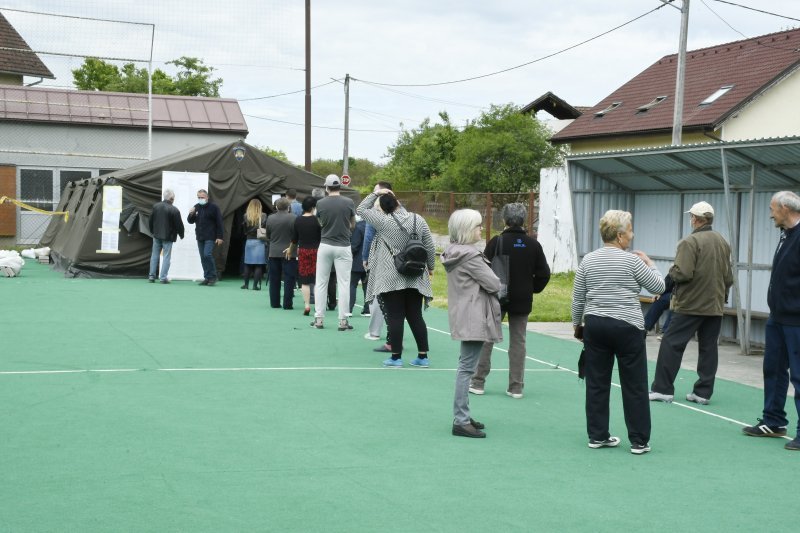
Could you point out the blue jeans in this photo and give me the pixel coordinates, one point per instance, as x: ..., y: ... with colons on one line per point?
x: 206, y: 249
x: 158, y: 246
x: 781, y: 360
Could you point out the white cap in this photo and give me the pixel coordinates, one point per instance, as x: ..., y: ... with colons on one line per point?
x: 332, y: 181
x: 700, y: 209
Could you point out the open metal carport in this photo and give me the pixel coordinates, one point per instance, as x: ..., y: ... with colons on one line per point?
x: 658, y: 185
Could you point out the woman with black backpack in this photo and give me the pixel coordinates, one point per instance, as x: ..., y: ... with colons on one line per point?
x: 401, y: 263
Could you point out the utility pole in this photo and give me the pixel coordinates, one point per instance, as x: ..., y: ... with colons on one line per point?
x: 677, y: 118
x: 346, y: 158
x: 308, y: 86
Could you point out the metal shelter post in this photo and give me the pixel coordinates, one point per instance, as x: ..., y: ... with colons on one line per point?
x: 745, y: 346
x: 750, y: 231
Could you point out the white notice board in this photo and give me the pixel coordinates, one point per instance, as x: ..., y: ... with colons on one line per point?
x: 185, y: 262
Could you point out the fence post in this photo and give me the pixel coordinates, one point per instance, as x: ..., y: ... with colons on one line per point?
x: 452, y: 203
x: 531, y: 214
x: 487, y: 224
x: 421, y: 204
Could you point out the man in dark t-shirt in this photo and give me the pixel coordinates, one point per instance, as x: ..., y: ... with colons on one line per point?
x: 336, y: 216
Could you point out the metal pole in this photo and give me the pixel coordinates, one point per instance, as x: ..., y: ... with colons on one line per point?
x: 734, y: 255
x: 150, y: 95
x: 749, y: 312
x: 308, y: 86
x: 677, y: 118
x: 346, y: 157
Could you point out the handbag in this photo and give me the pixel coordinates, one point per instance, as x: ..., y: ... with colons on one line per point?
x: 500, y: 269
x: 261, y: 232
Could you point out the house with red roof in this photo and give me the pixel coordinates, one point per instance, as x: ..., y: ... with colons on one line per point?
x: 741, y: 90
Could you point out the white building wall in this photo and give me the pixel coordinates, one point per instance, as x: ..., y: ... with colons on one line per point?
x: 776, y: 113
x: 556, y: 228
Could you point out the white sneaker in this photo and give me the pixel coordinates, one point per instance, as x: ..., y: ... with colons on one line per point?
x: 658, y: 397
x: 473, y: 390
x: 370, y: 337
x: 692, y: 397
x: 610, y: 442
x: 515, y: 395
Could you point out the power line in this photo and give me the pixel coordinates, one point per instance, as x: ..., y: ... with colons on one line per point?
x: 318, y: 127
x: 757, y: 10
x: 723, y: 20
x: 521, y: 65
x: 383, y: 87
x: 285, y: 94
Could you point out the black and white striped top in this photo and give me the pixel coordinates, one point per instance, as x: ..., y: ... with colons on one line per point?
x: 608, y: 283
x: 389, y: 239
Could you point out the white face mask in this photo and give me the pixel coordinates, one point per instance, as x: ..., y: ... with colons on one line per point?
x: 202, y: 201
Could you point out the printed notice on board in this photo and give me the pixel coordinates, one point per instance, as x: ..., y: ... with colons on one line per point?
x: 112, y: 207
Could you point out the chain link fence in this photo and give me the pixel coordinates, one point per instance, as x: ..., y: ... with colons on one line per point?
x: 436, y: 207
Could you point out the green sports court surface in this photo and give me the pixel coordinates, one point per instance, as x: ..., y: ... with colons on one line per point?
x: 128, y: 406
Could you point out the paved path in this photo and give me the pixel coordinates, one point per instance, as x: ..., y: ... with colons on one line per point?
x: 733, y: 366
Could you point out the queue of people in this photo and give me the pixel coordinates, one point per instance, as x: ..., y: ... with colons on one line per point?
x: 606, y: 310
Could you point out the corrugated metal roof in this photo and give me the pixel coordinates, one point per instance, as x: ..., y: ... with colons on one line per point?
x: 750, y: 66
x: 42, y: 104
x: 699, y: 166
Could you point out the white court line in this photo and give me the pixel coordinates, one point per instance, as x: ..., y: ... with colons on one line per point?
x: 679, y: 404
x: 275, y: 369
x: 247, y: 369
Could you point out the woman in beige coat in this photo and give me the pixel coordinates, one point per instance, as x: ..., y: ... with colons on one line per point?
x: 473, y: 309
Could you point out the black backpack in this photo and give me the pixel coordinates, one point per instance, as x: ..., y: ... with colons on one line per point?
x: 412, y: 260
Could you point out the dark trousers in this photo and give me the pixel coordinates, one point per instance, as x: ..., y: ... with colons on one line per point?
x: 399, y: 307
x: 681, y: 329
x: 289, y: 269
x: 781, y: 360
x: 603, y: 338
x: 655, y: 311
x: 206, y: 249
x: 355, y: 276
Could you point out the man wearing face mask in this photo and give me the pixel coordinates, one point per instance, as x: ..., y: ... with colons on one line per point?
x: 208, y: 229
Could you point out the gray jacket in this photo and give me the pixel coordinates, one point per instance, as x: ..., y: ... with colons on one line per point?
x: 473, y: 307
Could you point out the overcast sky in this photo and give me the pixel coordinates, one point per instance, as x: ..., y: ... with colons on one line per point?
x: 257, y: 47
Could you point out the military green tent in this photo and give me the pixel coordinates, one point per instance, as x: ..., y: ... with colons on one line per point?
x: 231, y: 185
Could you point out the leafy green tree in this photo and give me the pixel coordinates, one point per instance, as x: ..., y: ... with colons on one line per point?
x: 277, y: 154
x: 362, y: 171
x: 420, y: 157
x: 502, y: 151
x: 193, y: 78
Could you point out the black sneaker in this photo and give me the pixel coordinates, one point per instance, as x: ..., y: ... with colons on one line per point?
x: 793, y: 445
x: 610, y: 442
x: 476, y: 424
x: 763, y: 430
x: 468, y: 430
x: 639, y: 449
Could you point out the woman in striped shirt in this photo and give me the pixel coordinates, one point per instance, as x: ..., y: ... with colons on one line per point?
x: 605, y: 299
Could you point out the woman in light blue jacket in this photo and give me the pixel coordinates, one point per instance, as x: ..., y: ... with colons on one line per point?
x: 473, y: 309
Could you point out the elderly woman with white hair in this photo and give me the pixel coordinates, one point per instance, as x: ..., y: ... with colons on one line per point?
x: 528, y: 274
x: 473, y: 309
x: 605, y: 299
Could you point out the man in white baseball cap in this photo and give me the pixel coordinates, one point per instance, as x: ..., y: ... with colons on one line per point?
x: 703, y: 275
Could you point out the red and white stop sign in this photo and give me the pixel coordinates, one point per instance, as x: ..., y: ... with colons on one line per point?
x: 345, y: 180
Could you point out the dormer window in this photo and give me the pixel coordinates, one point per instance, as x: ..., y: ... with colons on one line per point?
x: 607, y: 110
x: 646, y: 107
x: 717, y: 94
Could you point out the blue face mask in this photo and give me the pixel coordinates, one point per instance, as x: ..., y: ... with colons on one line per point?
x: 202, y: 201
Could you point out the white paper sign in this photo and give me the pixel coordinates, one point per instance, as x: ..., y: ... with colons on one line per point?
x: 185, y: 261
x: 112, y: 207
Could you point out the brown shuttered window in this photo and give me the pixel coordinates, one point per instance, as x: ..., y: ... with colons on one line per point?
x: 8, y: 212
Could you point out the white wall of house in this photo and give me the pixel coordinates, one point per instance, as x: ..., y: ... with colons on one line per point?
x: 776, y: 113
x: 47, y: 155
x: 556, y: 227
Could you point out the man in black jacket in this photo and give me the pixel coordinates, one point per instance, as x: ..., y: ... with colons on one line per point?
x: 528, y: 274
x: 165, y: 227
x: 208, y: 229
x: 782, y: 347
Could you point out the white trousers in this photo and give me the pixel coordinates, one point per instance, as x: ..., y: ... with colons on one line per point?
x: 342, y: 258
